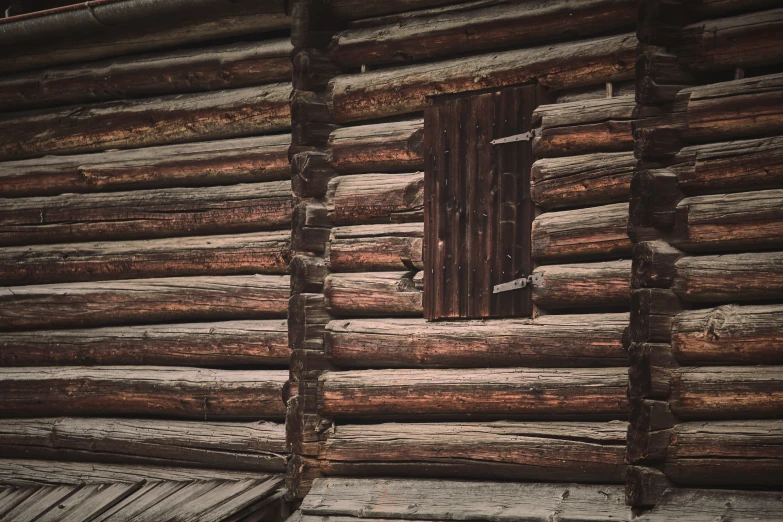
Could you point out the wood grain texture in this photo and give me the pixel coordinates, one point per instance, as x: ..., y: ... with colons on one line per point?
x: 217, y: 344
x: 365, y: 248
x: 154, y: 391
x: 376, y: 198
x: 143, y: 301
x: 145, y: 214
x: 380, y: 147
x: 586, y: 285
x: 373, y: 294
x: 706, y: 505
x: 247, y: 446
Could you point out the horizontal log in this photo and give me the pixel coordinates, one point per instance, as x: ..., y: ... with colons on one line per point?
x: 354, y: 9
x: 747, y: 40
x: 575, y: 181
x: 714, y: 504
x: 742, y: 221
x: 729, y: 334
x: 550, y: 451
x: 248, y: 446
x: 583, y: 234
x: 458, y: 32
x: 224, y: 162
x: 376, y: 198
x: 706, y: 9
x: 40, y: 41
x: 588, y: 393
x: 583, y: 127
x: 586, y: 285
x: 729, y: 278
x: 145, y: 214
x: 148, y: 121
x: 257, y: 253
x: 155, y: 391
x: 439, y: 500
x: 732, y: 166
x: 380, y: 147
x: 140, y: 301
x: 546, y: 341
x: 218, y: 344
x: 374, y: 294
x: 174, y: 72
x: 387, y: 92
x: 375, y: 247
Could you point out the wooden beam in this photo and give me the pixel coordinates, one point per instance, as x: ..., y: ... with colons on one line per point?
x: 218, y: 344
x: 653, y: 264
x: 160, y: 300
x: 183, y: 393
x: 585, y: 285
x: 376, y: 198
x: 375, y: 247
x: 307, y: 274
x: 373, y: 294
x: 712, y: 504
x: 380, y: 147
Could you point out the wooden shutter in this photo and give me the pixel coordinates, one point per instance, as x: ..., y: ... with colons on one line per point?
x: 477, y: 209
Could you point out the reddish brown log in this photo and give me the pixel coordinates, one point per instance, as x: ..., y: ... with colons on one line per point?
x: 376, y: 198
x: 381, y: 147
x: 374, y: 294
x: 586, y: 285
x: 375, y: 247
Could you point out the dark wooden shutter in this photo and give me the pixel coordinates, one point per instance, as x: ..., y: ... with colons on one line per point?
x: 477, y: 209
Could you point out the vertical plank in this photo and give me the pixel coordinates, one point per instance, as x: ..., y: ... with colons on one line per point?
x: 430, y: 209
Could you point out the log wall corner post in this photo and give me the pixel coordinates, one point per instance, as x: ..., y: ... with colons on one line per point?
x: 311, y: 31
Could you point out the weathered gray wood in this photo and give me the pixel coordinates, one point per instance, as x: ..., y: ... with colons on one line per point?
x: 307, y: 274
x: 145, y: 214
x: 140, y: 301
x: 380, y: 147
x: 256, y: 253
x: 224, y: 162
x: 547, y: 341
x: 375, y: 247
x: 248, y: 446
x: 219, y: 344
x: 376, y: 198
x: 593, y: 233
x: 575, y: 181
x: 708, y: 505
x: 462, y: 500
x: 373, y: 294
x: 403, y: 90
x: 457, y: 32
x: 174, y: 72
x: 148, y: 121
x: 586, y: 285
x: 550, y: 451
x: 729, y: 334
x: 156, y: 391
x: 587, y: 393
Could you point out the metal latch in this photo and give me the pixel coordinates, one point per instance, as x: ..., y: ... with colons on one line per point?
x: 525, y: 136
x: 522, y: 282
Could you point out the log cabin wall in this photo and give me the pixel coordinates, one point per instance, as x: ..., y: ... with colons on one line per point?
x: 705, y: 218
x: 145, y: 231
x: 381, y: 392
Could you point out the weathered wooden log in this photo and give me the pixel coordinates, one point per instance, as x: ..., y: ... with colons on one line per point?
x: 381, y: 147
x: 586, y: 393
x: 653, y: 264
x: 601, y: 90
x: 730, y: 166
x: 311, y: 123
x: 644, y: 486
x: 307, y: 274
x: 305, y: 431
x: 185, y: 393
x: 145, y: 214
x: 222, y: 162
x: 365, y: 248
x: 190, y: 70
x: 551, y: 451
x: 305, y: 364
x: 403, y: 90
x: 302, y: 472
x: 654, y: 197
x: 148, y: 121
x: 257, y: 253
x: 376, y: 198
x: 355, y: 10
x: 312, y: 68
x: 515, y: 25
x: 307, y: 318
x: 730, y: 278
x: 660, y: 22
x: 174, y: 299
x: 660, y: 76
x: 242, y: 446
x: 742, y: 221
x: 310, y: 227
x: 583, y: 127
x: 747, y: 40
x: 479, y: 500
x: 586, y: 285
x: 219, y: 344
x: 547, y: 341
x: 374, y: 294
x: 652, y: 311
x: 652, y: 366
x: 714, y: 504
x: 39, y: 41
x: 574, y: 181
x: 583, y: 234
x: 648, y: 418
x: 729, y: 334
x: 310, y: 174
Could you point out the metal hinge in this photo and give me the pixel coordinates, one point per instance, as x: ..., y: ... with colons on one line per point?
x: 522, y: 282
x: 525, y: 136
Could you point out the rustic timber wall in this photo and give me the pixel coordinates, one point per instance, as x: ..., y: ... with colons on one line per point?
x: 381, y: 392
x: 145, y: 225
x: 706, y: 220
